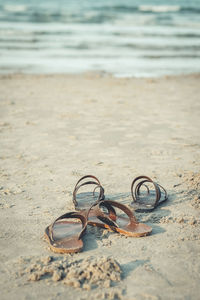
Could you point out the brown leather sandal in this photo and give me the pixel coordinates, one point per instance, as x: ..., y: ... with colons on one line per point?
x: 144, y: 201
x: 121, y: 224
x: 64, y: 236
x: 84, y: 200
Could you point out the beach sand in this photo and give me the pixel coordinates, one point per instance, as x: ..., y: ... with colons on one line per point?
x: 55, y: 129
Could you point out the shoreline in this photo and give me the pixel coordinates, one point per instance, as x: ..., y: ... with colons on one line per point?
x: 55, y: 129
x: 98, y: 74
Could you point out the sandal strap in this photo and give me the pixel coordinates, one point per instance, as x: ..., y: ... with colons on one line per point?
x: 78, y: 186
x: 83, y: 216
x: 160, y: 187
x: 109, y: 205
x: 142, y: 183
x: 136, y: 191
x: 139, y: 185
x: 164, y: 190
x: 87, y: 176
x: 109, y: 218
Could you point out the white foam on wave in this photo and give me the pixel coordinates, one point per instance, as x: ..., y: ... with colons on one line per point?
x: 15, y: 8
x: 159, y: 8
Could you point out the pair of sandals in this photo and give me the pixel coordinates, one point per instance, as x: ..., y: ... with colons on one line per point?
x: 65, y: 234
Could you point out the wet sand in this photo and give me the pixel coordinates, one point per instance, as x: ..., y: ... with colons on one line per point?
x: 55, y: 129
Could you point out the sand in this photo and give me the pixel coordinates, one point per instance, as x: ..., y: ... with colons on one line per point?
x: 56, y: 128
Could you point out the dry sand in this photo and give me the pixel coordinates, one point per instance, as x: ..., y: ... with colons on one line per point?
x: 54, y: 129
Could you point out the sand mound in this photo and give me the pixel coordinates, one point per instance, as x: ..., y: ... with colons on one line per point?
x: 86, y: 273
x: 192, y: 180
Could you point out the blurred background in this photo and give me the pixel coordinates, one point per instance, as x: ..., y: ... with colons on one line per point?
x: 123, y: 37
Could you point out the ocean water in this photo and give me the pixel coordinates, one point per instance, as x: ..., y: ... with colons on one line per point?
x: 122, y: 37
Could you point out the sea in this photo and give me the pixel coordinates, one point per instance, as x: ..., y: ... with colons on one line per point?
x: 125, y: 38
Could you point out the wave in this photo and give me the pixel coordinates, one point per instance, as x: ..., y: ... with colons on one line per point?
x: 93, y: 13
x: 147, y: 8
x: 159, y: 47
x: 179, y: 56
x: 48, y: 17
x: 143, y: 14
x: 15, y: 8
x: 159, y: 8
x: 119, y: 8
